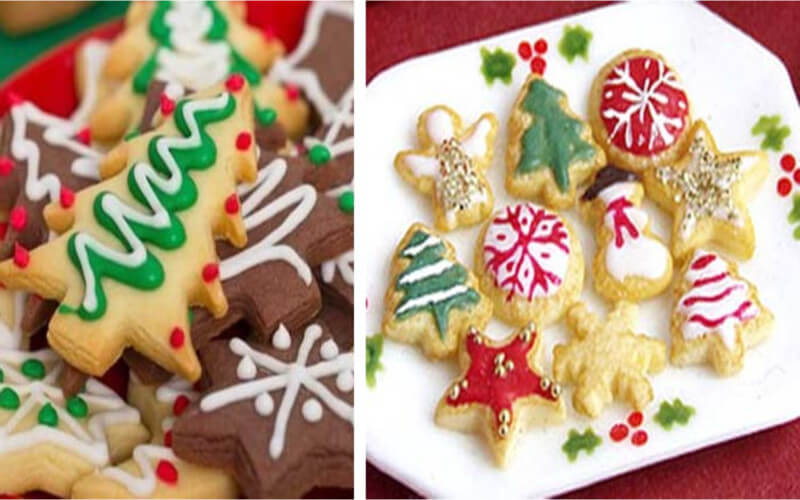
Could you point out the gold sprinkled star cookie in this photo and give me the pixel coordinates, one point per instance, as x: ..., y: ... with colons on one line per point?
x: 450, y: 164
x: 707, y: 191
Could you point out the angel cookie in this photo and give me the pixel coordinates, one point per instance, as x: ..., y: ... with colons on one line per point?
x: 606, y: 360
x: 432, y: 299
x: 631, y: 262
x: 530, y: 264
x: 550, y: 150
x: 706, y: 191
x: 502, y: 391
x: 450, y: 164
x: 639, y: 111
x: 717, y: 315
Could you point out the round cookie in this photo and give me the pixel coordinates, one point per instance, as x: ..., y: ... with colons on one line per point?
x: 530, y: 263
x: 639, y: 111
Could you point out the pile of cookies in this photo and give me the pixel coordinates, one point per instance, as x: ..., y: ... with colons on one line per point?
x: 193, y: 222
x: 639, y: 141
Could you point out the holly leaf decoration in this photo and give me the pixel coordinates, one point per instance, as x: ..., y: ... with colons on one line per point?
x: 576, y: 442
x: 374, y: 351
x: 497, y: 65
x: 668, y: 413
x: 575, y: 42
x: 774, y: 132
x: 794, y: 216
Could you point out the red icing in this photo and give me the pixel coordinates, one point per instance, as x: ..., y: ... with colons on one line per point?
x: 14, y: 99
x: 235, y: 82
x: 210, y: 272
x: 243, y: 141
x: 784, y: 186
x: 538, y: 65
x: 540, y: 46
x: 232, y: 204
x: 292, y: 92
x: 787, y: 162
x: 84, y: 136
x: 167, y: 472
x: 635, y: 419
x: 6, y: 165
x: 524, y: 50
x: 18, y: 218
x: 21, y: 256
x: 621, y: 220
x: 639, y: 437
x: 703, y: 261
x: 180, y: 405
x: 168, y: 439
x: 177, y: 338
x: 618, y: 432
x: 739, y: 314
x: 167, y: 105
x: 66, y: 197
x: 643, y: 107
x: 796, y: 176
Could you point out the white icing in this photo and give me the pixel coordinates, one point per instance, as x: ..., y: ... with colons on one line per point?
x: 475, y: 145
x: 281, y: 339
x: 246, y: 369
x: 337, y: 119
x: 345, y: 381
x: 343, y: 263
x: 439, y: 126
x: 422, y: 166
x: 312, y: 410
x: 432, y: 298
x: 94, y: 53
x: 329, y: 350
x: 264, y: 404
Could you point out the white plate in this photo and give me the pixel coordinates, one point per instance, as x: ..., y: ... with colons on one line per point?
x: 731, y: 81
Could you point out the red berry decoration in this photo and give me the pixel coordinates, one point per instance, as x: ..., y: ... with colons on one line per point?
x: 177, y: 338
x: 168, y: 439
x: 21, y: 256
x: 538, y: 65
x: 167, y: 105
x: 784, y: 186
x: 618, y: 432
x: 796, y: 176
x: 66, y: 197
x: 180, y: 405
x: 524, y: 50
x: 84, y: 136
x: 167, y: 472
x: 787, y: 162
x: 292, y: 92
x: 635, y: 419
x: 639, y: 437
x: 243, y: 141
x: 235, y: 82
x: 6, y: 165
x: 540, y: 46
x: 18, y: 218
x: 210, y: 272
x: 232, y: 204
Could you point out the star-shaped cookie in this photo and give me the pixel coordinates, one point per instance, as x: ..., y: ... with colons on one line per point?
x: 502, y: 390
x: 707, y: 191
x: 606, y: 360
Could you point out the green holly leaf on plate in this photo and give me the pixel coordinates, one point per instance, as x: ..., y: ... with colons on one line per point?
x: 497, y: 65
x: 575, y: 42
x: 576, y: 442
x: 774, y: 132
x: 374, y: 351
x: 670, y: 413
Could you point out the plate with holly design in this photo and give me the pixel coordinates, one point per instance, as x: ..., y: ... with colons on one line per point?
x: 692, y: 407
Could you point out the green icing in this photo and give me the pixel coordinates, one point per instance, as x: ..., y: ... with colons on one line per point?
x: 774, y: 132
x: 575, y: 42
x: 143, y: 76
x: 319, y: 154
x: 497, y: 65
x: 161, y: 32
x: 794, y: 216
x: 265, y: 116
x: 9, y: 399
x: 670, y: 413
x: 241, y: 65
x: 149, y: 273
x: 420, y: 293
x: 48, y: 416
x: 576, y: 442
x: 374, y: 351
x: 77, y: 407
x: 133, y: 134
x: 33, y: 369
x: 554, y: 137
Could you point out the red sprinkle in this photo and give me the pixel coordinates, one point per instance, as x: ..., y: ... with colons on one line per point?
x: 18, y: 218
x: 618, y: 432
x: 84, y: 136
x: 6, y: 165
x: 292, y: 92
x: 168, y: 439
x: 232, y: 204
x: 14, y: 99
x: 67, y: 197
x: 167, y: 105
x: 177, y: 337
x: 524, y: 50
x: 235, y: 82
x: 635, y: 419
x: 796, y: 176
x: 639, y: 437
x: 784, y: 186
x: 21, y: 256
x: 180, y: 405
x: 243, y: 141
x: 210, y: 272
x: 540, y: 46
x: 167, y: 472
x: 787, y: 162
x: 3, y: 229
x: 538, y: 65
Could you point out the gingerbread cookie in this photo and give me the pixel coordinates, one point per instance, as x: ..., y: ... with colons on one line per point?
x: 112, y: 262
x: 639, y: 111
x: 336, y: 276
x: 450, y: 165
x: 706, y: 191
x: 431, y: 299
x: 502, y: 391
x: 280, y: 417
x: 717, y: 315
x: 550, y: 149
x: 631, y: 262
x: 606, y: 360
x: 530, y: 264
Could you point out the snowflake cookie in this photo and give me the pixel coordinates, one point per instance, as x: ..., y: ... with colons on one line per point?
x: 432, y: 299
x: 530, y: 264
x: 606, y: 360
x: 717, y: 315
x: 639, y: 111
x: 706, y: 191
x: 550, y: 149
x: 501, y: 391
x: 450, y: 165
x: 631, y: 262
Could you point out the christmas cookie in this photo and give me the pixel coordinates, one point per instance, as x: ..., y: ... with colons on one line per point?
x: 706, y: 191
x: 112, y: 261
x: 190, y: 44
x: 431, y: 299
x: 639, y: 111
x: 550, y: 149
x: 47, y: 441
x: 154, y: 471
x: 717, y: 315
x: 631, y: 262
x: 501, y: 392
x: 90, y: 85
x: 530, y: 264
x: 605, y: 360
x: 280, y: 417
x: 337, y: 277
x: 450, y: 165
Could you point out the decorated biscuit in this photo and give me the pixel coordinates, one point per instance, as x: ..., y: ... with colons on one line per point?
x: 432, y: 299
x: 605, y: 360
x: 717, y: 315
x: 550, y: 149
x: 631, y: 262
x: 450, y: 165
x: 112, y: 263
x: 706, y: 191
x: 639, y: 111
x: 90, y: 85
x: 501, y: 391
x: 530, y: 264
x: 280, y: 416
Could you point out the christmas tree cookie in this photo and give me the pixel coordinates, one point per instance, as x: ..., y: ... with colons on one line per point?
x: 143, y: 239
x: 717, y: 315
x: 639, y: 111
x: 501, y: 392
x: 706, y: 191
x: 432, y: 299
x: 606, y: 360
x: 192, y: 45
x: 550, y: 149
x: 450, y: 165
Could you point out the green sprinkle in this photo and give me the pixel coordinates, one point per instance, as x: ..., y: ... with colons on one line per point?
x: 774, y: 132
x: 576, y: 442
x: 48, y: 416
x: 9, y: 400
x: 33, y: 369
x: 77, y: 407
x: 497, y: 65
x: 319, y: 154
x: 266, y: 116
x: 575, y: 42
x: 374, y: 351
x: 132, y: 134
x: 668, y: 413
x: 346, y: 202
